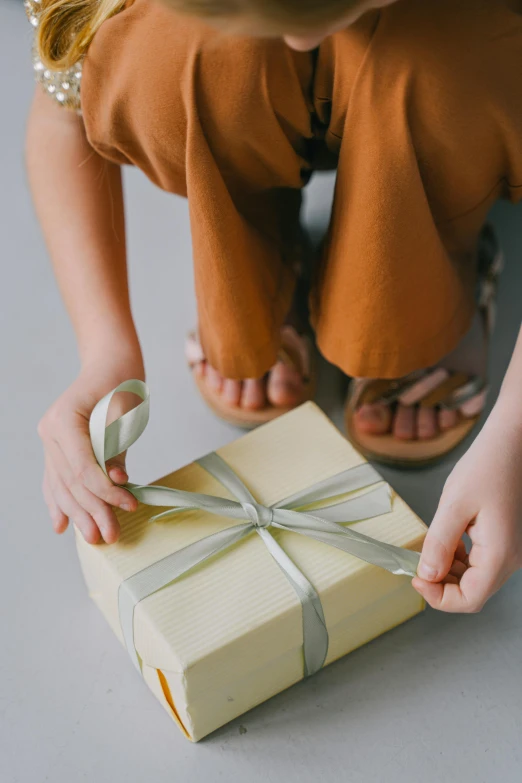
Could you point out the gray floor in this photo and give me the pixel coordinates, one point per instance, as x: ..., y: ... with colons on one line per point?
x: 439, y: 699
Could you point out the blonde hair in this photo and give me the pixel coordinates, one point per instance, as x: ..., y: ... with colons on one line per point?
x: 67, y: 27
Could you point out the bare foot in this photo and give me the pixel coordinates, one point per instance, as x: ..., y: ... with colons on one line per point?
x: 405, y: 422
x: 412, y: 422
x: 282, y: 387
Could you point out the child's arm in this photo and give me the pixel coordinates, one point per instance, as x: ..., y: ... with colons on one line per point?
x: 79, y: 202
x: 483, y: 497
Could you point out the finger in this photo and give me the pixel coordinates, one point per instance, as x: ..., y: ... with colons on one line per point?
x: 469, y: 595
x: 117, y: 470
x: 461, y: 553
x: 450, y: 579
x: 442, y: 540
x: 458, y: 569
x: 101, y: 512
x: 76, y: 447
x: 58, y: 518
x: 80, y: 518
x: 423, y: 587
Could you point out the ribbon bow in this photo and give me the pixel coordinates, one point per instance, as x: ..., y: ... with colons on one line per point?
x: 322, y: 524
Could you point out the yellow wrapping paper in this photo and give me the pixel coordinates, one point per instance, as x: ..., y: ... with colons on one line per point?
x: 228, y: 635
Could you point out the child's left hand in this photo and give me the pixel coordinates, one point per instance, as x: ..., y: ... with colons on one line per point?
x: 483, y: 498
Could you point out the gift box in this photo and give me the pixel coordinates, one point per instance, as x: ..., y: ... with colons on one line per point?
x: 256, y: 567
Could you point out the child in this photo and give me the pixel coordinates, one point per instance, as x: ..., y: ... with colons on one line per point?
x: 234, y: 103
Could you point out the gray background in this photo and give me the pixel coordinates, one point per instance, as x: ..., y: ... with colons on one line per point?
x: 439, y: 699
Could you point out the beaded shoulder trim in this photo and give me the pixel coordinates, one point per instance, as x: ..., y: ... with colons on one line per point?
x: 62, y: 86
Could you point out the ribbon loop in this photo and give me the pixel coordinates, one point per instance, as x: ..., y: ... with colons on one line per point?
x: 122, y: 433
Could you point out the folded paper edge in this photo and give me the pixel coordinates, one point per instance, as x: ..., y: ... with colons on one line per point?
x: 165, y: 689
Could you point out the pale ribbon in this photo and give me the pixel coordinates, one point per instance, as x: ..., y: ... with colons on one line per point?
x: 114, y: 439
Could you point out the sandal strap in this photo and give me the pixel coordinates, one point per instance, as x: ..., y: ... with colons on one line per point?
x: 295, y: 351
x: 425, y: 387
x: 443, y: 391
x: 193, y: 350
x: 367, y: 391
x: 490, y: 266
x: 475, y: 405
x: 473, y: 388
x: 432, y: 388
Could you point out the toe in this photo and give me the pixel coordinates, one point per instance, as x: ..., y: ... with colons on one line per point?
x: 253, y: 396
x: 214, y: 379
x: 447, y: 419
x: 231, y: 391
x: 373, y: 419
x: 199, y: 369
x: 427, y: 425
x: 404, y: 423
x: 285, y: 386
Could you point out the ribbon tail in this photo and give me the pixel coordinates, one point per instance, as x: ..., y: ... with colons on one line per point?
x: 221, y: 470
x: 397, y: 560
x: 181, y: 500
x: 393, y: 558
x: 165, y: 571
x: 315, y: 633
x: 366, y: 506
x: 359, y: 477
x: 168, y: 513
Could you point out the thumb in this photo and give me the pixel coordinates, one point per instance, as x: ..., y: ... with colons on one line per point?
x: 441, y: 542
x: 117, y: 470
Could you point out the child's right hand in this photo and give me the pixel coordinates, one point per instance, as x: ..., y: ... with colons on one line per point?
x: 74, y: 486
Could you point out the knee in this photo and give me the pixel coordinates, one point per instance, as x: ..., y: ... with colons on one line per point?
x: 136, y: 89
x: 154, y: 83
x: 251, y: 99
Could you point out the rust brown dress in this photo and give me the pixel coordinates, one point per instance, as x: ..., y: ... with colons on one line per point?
x: 418, y: 105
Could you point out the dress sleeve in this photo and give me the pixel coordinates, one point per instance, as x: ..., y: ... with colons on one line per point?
x: 62, y: 86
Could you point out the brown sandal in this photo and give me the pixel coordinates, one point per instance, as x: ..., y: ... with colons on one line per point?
x: 434, y: 387
x: 296, y: 351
